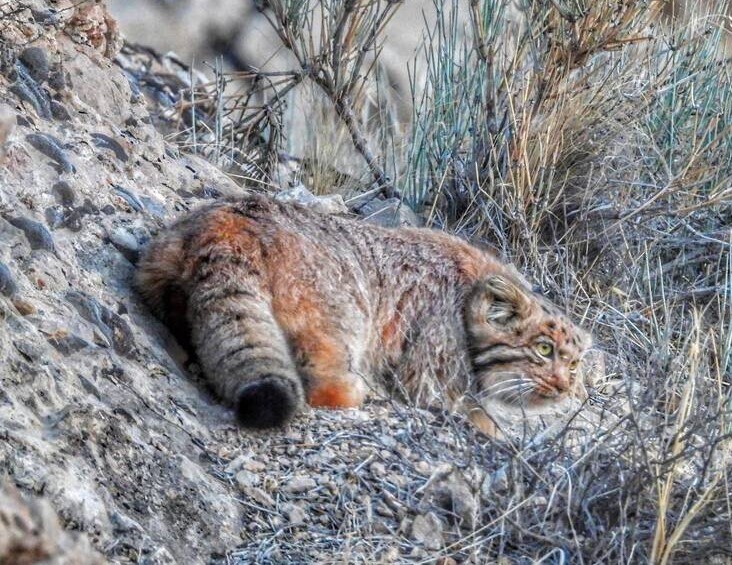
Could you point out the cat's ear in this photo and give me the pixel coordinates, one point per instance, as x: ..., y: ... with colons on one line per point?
x: 500, y: 301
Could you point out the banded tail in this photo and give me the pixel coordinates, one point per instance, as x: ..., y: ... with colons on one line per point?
x: 241, y: 348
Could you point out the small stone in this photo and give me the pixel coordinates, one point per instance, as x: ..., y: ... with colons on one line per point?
x: 298, y: 485
x: 57, y: 80
x: 246, y: 479
x: 295, y: 514
x: 59, y: 111
x: 448, y: 490
x: 330, y: 204
x: 67, y: 343
x: 126, y: 243
x: 24, y: 307
x: 235, y: 464
x: 259, y: 496
x: 427, y: 530
x: 7, y: 282
x: 106, y: 142
x: 390, y: 213
x: 7, y: 126
x: 53, y: 148
x: 254, y: 466
x: 423, y: 468
x: 130, y: 198
x: 496, y: 482
x: 54, y: 217
x: 36, y: 62
x: 63, y: 193
x: 36, y: 233
x: 378, y: 469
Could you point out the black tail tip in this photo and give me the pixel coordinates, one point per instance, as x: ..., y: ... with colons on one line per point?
x: 266, y: 403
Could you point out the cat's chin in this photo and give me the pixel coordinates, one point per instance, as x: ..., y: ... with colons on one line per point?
x: 534, y: 403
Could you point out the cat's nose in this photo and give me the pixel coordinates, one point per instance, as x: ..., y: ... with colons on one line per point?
x: 560, y: 382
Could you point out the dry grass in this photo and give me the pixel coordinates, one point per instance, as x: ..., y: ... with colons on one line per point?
x: 594, y: 149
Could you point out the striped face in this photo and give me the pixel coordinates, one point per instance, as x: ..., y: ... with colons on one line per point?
x: 524, y: 351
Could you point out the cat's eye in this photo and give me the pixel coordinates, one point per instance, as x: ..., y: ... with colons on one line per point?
x: 573, y: 365
x: 545, y: 349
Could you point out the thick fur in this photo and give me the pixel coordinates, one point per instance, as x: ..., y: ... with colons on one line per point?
x: 284, y: 305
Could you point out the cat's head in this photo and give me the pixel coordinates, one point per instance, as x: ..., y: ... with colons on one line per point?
x: 524, y: 351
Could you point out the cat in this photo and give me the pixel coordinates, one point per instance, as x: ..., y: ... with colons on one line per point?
x: 284, y: 305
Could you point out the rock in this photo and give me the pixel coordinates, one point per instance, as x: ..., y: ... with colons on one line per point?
x: 59, y: 111
x: 331, y: 204
x: 254, y: 466
x: 52, y: 148
x: 244, y: 479
x: 36, y: 61
x: 114, y: 328
x: 130, y: 198
x: 106, y: 142
x: 378, y: 469
x: 36, y: 233
x: 449, y: 491
x: 390, y: 213
x: 295, y: 514
x: 54, y: 217
x: 30, y: 91
x: 299, y: 485
x: 24, y: 307
x: 259, y: 496
x: 427, y: 530
x: 7, y: 126
x: 494, y: 483
x: 126, y: 243
x: 31, y: 533
x: 7, y: 282
x: 159, y: 556
x: 63, y: 193
x: 67, y: 343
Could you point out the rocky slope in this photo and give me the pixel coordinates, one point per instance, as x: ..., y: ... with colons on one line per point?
x: 100, y: 415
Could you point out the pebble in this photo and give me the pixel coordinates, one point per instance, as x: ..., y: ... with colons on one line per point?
x: 7, y: 126
x: 59, y: 111
x: 63, y: 193
x: 423, y: 468
x: 259, y: 496
x: 36, y: 233
x: 295, y: 514
x: 28, y: 90
x: 390, y: 213
x: 24, y: 307
x: 427, y: 530
x: 128, y: 196
x: 52, y: 148
x: 126, y: 243
x: 298, y: 485
x: 244, y: 479
x: 496, y: 482
x: 452, y: 493
x: 7, y: 282
x: 67, y: 343
x: 254, y: 466
x: 36, y: 61
x: 378, y: 469
x: 105, y: 142
x: 54, y: 217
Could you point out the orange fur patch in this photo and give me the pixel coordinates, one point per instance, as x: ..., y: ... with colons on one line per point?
x: 335, y: 395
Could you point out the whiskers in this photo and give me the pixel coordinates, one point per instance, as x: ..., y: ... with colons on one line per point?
x: 512, y: 388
